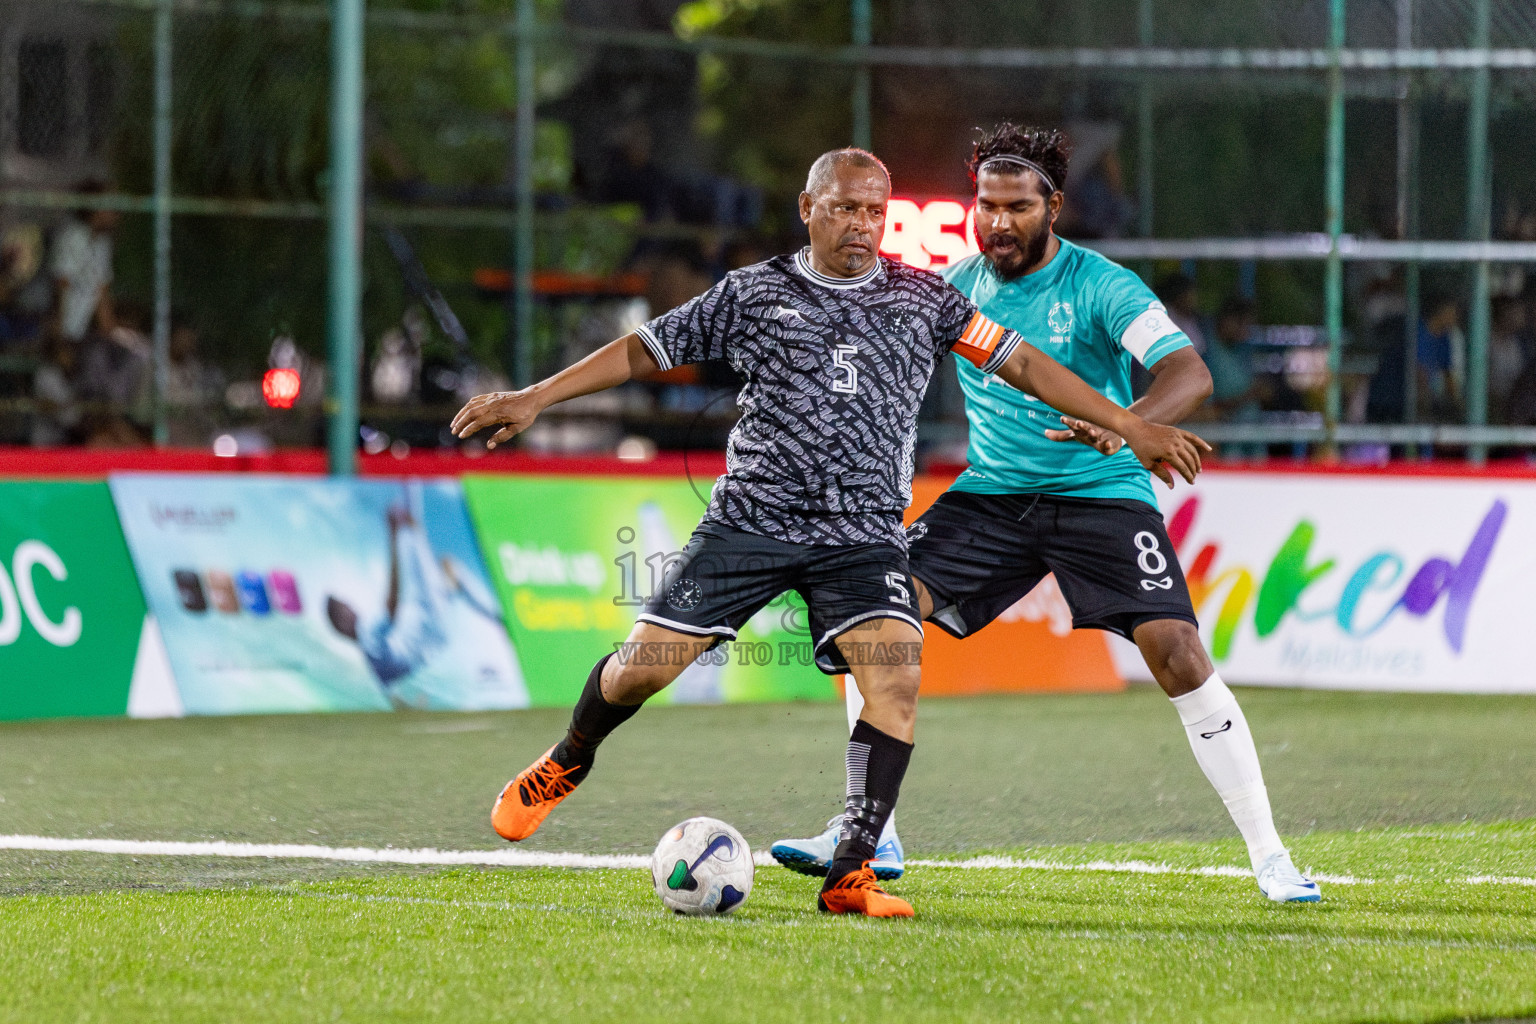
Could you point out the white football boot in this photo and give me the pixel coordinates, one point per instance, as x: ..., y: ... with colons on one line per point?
x: 813, y: 856
x: 1280, y: 881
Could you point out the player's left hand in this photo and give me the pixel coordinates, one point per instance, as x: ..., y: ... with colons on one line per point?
x: 1161, y: 449
x: 513, y: 411
x: 1106, y: 442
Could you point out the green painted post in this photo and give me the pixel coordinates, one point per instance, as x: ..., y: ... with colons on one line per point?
x: 161, y: 329
x: 1408, y: 168
x: 863, y: 128
x: 523, y: 253
x: 1479, y: 225
x: 343, y: 324
x: 1334, y: 290
x: 1145, y: 140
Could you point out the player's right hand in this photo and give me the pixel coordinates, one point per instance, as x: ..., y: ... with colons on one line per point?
x: 1160, y: 447
x: 513, y: 411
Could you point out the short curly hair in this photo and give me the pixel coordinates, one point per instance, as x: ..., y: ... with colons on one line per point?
x: 1047, y: 147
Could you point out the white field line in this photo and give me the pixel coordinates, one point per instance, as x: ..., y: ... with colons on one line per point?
x: 1134, y: 867
x: 540, y: 859
x: 305, y: 851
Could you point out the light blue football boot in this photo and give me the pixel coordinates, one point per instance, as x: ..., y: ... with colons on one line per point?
x: 813, y: 856
x: 1280, y: 881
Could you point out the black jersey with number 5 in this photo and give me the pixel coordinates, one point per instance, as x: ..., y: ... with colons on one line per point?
x: 835, y: 371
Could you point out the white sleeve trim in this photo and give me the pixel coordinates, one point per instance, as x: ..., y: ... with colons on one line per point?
x: 654, y: 346
x: 1147, y: 330
x: 1005, y: 346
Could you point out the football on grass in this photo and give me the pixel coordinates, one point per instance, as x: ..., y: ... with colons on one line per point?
x: 702, y: 867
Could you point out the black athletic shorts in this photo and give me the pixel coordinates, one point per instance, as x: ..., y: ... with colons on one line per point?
x: 979, y: 553
x: 725, y: 576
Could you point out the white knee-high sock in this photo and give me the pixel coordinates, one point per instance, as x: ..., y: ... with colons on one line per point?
x: 855, y: 702
x: 1218, y: 734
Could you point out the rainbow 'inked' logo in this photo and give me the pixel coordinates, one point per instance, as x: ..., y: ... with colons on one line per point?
x: 1290, y: 574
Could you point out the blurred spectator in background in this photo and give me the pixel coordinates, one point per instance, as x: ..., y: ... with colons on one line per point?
x: 1099, y: 206
x: 1385, y: 392
x: 673, y: 193
x: 1442, y: 350
x: 1236, y: 390
x: 1178, y: 293
x: 82, y: 271
x: 1521, y: 408
x: 1516, y: 225
x: 193, y: 392
x: 56, y: 415
x: 1510, y: 349
x: 114, y: 378
x: 24, y: 294
x: 1237, y: 393
x: 396, y: 373
x: 633, y: 176
x: 113, y: 351
x: 1375, y: 347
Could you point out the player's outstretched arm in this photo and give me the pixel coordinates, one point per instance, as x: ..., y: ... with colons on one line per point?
x: 515, y: 411
x: 1158, y: 447
x: 1180, y: 385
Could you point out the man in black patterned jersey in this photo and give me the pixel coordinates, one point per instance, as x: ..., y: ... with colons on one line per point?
x: 836, y: 346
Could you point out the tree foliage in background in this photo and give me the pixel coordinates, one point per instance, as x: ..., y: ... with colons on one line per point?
x: 251, y: 122
x: 766, y: 119
x: 1236, y: 156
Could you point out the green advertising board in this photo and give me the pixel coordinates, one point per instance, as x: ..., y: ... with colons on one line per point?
x: 71, y: 612
x: 574, y: 557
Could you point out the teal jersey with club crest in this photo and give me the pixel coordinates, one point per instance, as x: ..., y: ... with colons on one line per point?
x: 1092, y: 316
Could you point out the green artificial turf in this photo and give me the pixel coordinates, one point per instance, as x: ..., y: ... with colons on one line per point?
x: 1409, y: 796
x: 1417, y: 944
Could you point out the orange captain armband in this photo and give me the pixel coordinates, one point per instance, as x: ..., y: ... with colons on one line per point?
x: 979, y: 340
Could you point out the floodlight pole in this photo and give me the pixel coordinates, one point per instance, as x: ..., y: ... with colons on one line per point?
x: 863, y: 128
x: 1479, y: 228
x: 1334, y: 289
x: 343, y: 323
x: 523, y: 240
x: 161, y: 327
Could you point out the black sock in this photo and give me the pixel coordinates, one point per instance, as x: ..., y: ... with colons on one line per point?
x: 591, y: 721
x: 876, y: 764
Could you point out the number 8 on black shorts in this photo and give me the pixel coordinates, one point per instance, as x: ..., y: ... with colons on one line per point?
x: 979, y: 553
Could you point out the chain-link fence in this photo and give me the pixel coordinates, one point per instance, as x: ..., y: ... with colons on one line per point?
x: 1336, y: 199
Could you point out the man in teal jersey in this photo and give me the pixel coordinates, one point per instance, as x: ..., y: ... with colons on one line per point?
x: 1048, y: 494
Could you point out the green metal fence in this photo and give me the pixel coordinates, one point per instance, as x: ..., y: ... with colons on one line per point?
x: 236, y: 130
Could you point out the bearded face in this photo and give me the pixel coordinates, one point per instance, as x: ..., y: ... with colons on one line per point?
x: 1013, y: 222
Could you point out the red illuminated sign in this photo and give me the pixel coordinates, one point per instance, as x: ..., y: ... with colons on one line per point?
x: 280, y: 388
x: 928, y: 235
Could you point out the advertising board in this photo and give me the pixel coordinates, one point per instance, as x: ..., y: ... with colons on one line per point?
x: 284, y: 594
x: 574, y: 558
x: 1360, y: 582
x: 71, y: 615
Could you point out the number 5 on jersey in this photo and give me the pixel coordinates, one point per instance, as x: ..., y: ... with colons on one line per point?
x: 845, y: 376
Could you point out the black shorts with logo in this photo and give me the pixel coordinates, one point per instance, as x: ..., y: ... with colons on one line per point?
x: 979, y: 553
x: 725, y: 576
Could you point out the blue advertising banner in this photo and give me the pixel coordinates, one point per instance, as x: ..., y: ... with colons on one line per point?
x: 283, y: 594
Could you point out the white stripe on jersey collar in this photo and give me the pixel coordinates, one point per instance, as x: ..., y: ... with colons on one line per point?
x: 803, y: 264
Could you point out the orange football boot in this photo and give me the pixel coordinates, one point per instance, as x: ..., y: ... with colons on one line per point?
x: 527, y: 800
x: 859, y: 893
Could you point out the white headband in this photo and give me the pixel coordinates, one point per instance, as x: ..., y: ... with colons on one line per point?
x: 1018, y: 161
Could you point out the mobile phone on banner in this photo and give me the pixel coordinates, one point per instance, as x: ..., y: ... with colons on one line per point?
x: 221, y: 587
x: 253, y: 593
x: 189, y: 591
x: 285, y: 591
